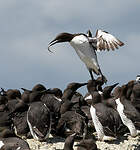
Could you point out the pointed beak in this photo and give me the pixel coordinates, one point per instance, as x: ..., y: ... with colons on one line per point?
x: 81, y: 84
x: 114, y: 85
x: 52, y: 43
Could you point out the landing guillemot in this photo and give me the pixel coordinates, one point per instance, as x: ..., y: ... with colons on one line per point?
x: 86, y: 47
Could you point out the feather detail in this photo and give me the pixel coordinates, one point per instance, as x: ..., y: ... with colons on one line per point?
x: 106, y: 41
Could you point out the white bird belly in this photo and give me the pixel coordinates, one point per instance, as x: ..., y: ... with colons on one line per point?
x: 86, y: 52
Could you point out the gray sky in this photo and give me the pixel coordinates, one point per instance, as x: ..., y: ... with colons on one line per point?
x: 26, y: 28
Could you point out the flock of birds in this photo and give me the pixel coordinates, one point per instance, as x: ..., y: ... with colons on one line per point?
x: 39, y: 112
x: 111, y: 112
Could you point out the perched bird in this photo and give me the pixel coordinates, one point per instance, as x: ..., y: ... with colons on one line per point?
x: 69, y: 142
x: 5, y: 125
x: 52, y: 99
x: 39, y: 120
x: 13, y: 143
x: 106, y: 120
x: 128, y: 113
x: 71, y: 122
x: 87, y: 144
x: 86, y: 46
x: 32, y: 95
x: 12, y: 94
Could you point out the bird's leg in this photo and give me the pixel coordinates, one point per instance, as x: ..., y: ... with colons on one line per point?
x: 103, y: 77
x: 90, y: 71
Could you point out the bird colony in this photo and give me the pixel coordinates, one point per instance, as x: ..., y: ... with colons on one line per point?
x: 106, y: 113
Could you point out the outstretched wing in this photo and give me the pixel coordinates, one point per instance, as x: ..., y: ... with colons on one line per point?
x: 103, y: 40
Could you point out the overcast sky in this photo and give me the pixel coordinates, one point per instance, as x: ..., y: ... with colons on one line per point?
x: 26, y: 28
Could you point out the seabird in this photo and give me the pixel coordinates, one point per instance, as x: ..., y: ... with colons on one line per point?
x: 12, y: 94
x: 71, y: 122
x: 106, y: 119
x: 32, y: 96
x: 138, y: 78
x: 13, y: 143
x: 92, y: 86
x: 5, y: 125
x: 86, y: 46
x: 39, y: 120
x: 39, y: 87
x: 69, y: 142
x: 52, y: 99
x: 128, y: 113
x: 135, y: 96
x: 87, y: 144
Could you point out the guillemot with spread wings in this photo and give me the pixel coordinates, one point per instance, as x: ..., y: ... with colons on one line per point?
x: 86, y: 46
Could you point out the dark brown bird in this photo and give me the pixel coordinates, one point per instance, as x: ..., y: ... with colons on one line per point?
x: 87, y: 144
x: 69, y: 142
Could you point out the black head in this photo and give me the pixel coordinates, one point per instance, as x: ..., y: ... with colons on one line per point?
x: 91, y: 86
x: 69, y: 142
x: 62, y: 37
x: 74, y: 85
x: 38, y: 87
x: 108, y: 89
x: 96, y: 97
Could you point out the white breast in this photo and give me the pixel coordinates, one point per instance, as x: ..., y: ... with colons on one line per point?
x: 88, y: 97
x: 1, y: 144
x: 126, y: 121
x: 97, y: 123
x: 85, y: 51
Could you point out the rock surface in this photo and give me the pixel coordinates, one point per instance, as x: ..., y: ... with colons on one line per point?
x: 125, y: 142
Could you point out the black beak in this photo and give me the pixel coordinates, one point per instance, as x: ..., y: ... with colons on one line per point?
x: 80, y: 85
x: 52, y: 43
x: 50, y: 91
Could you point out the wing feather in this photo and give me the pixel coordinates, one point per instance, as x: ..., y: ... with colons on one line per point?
x: 106, y: 41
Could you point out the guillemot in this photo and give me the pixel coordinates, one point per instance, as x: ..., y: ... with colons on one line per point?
x: 86, y: 46
x: 69, y: 142
x: 39, y: 120
x: 106, y: 120
x: 13, y: 143
x: 138, y: 78
x: 87, y: 144
x: 128, y: 113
